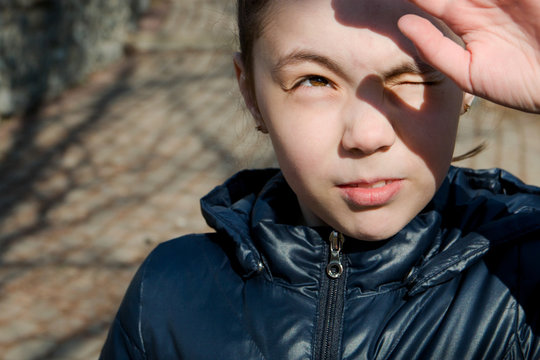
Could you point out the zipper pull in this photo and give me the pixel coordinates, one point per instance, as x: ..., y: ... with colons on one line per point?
x: 334, y: 269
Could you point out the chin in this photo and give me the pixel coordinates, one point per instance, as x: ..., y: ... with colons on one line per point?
x: 379, y: 224
x: 366, y: 231
x: 371, y: 235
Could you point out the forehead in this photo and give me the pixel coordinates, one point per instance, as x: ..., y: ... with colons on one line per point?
x: 378, y: 15
x: 375, y: 14
x: 340, y: 28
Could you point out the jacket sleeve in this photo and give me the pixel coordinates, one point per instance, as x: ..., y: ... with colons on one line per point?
x: 529, y: 298
x: 125, y: 340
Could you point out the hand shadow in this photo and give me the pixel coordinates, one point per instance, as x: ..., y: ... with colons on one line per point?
x: 408, y: 122
x: 381, y: 16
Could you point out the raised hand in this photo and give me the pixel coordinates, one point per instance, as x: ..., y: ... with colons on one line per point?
x: 501, y: 58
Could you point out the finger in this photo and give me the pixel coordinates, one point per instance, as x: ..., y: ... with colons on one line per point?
x: 436, y: 8
x: 438, y: 50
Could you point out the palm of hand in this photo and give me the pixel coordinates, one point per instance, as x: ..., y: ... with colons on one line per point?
x: 501, y: 61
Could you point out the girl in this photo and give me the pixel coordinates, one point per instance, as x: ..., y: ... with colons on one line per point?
x: 366, y: 244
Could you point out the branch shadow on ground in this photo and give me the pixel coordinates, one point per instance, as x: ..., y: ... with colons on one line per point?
x: 27, y: 162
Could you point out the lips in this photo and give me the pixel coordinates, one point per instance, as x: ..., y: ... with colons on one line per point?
x: 378, y: 184
x: 369, y: 194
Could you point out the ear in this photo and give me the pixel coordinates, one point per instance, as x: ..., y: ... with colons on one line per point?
x: 246, y: 90
x: 467, y: 102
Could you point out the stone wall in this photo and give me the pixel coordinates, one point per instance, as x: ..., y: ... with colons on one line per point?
x: 47, y: 45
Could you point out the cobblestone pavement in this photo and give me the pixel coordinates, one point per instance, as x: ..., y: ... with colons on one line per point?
x: 94, y: 181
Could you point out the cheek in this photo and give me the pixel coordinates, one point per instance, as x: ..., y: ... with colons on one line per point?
x: 431, y: 132
x: 410, y: 96
x: 300, y: 130
x: 434, y: 145
x: 302, y: 144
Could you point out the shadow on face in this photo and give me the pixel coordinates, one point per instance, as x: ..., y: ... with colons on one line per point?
x: 382, y: 16
x: 414, y: 125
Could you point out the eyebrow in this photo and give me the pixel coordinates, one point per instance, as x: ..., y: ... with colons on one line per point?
x: 415, y: 66
x: 302, y: 56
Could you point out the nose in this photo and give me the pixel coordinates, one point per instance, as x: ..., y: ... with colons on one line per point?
x: 367, y: 130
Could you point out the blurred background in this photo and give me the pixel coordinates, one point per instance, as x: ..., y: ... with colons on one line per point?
x: 117, y: 116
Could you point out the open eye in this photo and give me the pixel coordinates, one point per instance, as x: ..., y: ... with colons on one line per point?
x: 314, y: 81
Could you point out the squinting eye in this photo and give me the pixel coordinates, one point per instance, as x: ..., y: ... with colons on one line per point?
x: 414, y: 82
x: 313, y: 81
x: 424, y: 83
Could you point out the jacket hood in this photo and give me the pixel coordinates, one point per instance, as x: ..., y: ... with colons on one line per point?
x: 473, y: 212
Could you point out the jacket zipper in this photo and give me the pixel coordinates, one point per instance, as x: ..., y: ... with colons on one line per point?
x: 328, y: 337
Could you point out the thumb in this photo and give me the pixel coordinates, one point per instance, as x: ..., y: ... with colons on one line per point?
x: 438, y: 50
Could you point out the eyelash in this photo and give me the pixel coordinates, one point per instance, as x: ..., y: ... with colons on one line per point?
x: 428, y: 81
x: 312, y: 78
x: 425, y: 83
x: 328, y: 83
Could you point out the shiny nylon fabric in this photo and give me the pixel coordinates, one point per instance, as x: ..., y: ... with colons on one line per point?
x: 461, y: 281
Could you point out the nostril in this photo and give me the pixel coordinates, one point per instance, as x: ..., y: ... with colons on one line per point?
x: 369, y: 138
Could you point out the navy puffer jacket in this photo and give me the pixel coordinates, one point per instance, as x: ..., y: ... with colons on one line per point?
x: 461, y: 281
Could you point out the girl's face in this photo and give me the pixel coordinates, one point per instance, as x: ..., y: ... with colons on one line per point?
x: 363, y: 130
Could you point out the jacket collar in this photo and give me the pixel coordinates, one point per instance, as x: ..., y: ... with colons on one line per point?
x: 483, y: 210
x: 227, y: 209
x: 472, y: 212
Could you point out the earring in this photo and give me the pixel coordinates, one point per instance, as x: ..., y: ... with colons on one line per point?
x: 261, y: 129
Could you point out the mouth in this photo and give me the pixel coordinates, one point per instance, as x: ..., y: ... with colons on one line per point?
x: 371, y: 194
x: 375, y: 185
